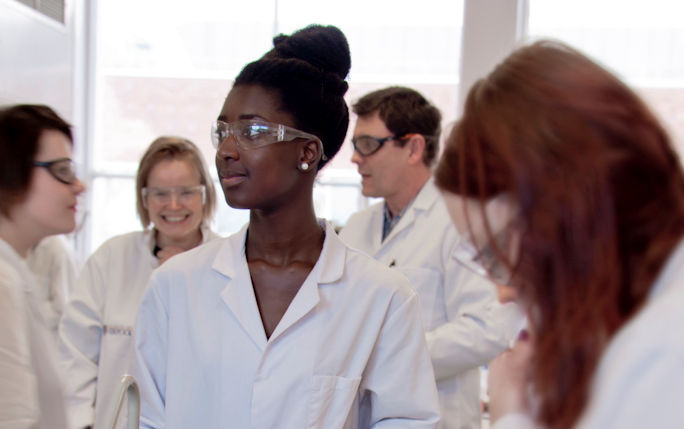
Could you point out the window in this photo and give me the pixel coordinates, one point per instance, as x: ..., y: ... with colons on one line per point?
x: 640, y: 41
x: 169, y: 72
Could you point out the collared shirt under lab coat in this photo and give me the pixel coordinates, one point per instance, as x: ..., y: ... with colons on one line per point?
x: 639, y: 382
x: 97, y: 327
x: 31, y: 393
x: 466, y: 326
x: 348, y: 353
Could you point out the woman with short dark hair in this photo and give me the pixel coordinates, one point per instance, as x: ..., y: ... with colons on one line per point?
x: 38, y: 198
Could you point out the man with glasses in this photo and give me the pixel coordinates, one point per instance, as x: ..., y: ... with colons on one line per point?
x: 396, y: 141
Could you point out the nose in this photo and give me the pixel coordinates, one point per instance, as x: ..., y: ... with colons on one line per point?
x: 78, y: 186
x: 356, y: 158
x: 174, y: 201
x: 506, y: 293
x: 228, y: 148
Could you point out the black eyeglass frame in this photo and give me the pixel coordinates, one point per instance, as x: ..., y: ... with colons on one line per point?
x: 381, y: 142
x: 49, y: 166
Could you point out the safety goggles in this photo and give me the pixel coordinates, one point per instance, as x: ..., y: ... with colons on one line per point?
x: 367, y: 145
x: 483, y: 261
x: 62, y: 169
x: 163, y: 195
x: 252, y: 134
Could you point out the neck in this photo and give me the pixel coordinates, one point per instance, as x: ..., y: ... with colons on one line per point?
x: 411, y: 187
x: 21, y: 239
x: 284, y: 236
x: 185, y: 243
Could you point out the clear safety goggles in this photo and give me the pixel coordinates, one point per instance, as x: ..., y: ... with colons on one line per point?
x: 483, y: 261
x: 252, y: 134
x: 182, y: 194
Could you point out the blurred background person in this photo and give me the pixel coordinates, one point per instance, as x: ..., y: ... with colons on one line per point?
x: 396, y: 141
x: 175, y: 196
x: 290, y: 328
x: 38, y: 198
x: 573, y: 197
x: 53, y: 264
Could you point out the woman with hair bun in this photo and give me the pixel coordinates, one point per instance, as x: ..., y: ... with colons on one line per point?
x: 282, y: 325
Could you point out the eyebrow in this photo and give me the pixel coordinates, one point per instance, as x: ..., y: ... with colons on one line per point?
x: 244, y: 116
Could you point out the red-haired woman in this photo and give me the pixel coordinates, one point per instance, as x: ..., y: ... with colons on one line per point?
x: 573, y: 198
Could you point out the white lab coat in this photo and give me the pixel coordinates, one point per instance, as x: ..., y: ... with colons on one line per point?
x: 348, y: 353
x: 466, y: 326
x: 53, y: 265
x: 31, y: 394
x: 639, y: 382
x: 97, y: 327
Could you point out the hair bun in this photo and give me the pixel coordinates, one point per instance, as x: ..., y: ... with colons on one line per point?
x: 324, y: 47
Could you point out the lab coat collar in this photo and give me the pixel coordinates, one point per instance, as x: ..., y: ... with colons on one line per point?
x: 149, y: 235
x: 426, y: 198
x: 239, y: 296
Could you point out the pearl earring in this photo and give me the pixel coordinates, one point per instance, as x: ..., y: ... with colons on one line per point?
x: 304, y: 166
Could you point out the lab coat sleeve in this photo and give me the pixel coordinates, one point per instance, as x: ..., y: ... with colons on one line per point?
x: 398, y: 388
x: 149, y: 366
x: 478, y: 327
x: 18, y: 390
x: 81, y: 331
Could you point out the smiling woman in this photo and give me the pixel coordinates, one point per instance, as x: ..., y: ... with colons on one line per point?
x: 175, y: 195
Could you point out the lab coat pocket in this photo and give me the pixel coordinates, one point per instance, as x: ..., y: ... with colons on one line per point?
x: 331, y: 401
x: 427, y: 283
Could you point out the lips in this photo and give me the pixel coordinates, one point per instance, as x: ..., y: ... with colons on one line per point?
x: 174, y: 218
x: 232, y: 176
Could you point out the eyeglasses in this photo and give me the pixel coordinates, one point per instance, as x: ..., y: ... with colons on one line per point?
x: 163, y: 195
x: 62, y: 169
x: 252, y: 134
x: 483, y: 261
x: 367, y: 145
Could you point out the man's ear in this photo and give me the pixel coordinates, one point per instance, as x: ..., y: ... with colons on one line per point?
x: 416, y: 146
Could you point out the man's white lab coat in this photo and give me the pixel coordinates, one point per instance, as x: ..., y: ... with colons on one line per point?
x: 466, y: 326
x: 97, y: 328
x: 348, y: 353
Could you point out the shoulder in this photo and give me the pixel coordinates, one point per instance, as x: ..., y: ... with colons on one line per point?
x: 373, y: 275
x: 362, y: 216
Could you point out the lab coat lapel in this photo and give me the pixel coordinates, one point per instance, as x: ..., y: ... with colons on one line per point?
x: 238, y: 294
x: 425, y: 199
x: 328, y: 268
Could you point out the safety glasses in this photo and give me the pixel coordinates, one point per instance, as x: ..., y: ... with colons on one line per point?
x: 253, y: 134
x: 161, y: 196
x: 62, y: 169
x: 367, y: 145
x: 483, y: 261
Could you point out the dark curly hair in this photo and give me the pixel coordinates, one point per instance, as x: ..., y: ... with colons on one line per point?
x: 308, y: 70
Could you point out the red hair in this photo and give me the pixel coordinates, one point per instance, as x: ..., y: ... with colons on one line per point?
x: 600, y: 194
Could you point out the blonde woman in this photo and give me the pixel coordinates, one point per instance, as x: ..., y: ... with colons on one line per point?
x: 175, y: 202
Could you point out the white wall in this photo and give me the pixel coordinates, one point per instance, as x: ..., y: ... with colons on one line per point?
x: 36, y: 58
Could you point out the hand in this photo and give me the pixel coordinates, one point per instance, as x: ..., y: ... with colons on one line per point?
x: 508, y: 380
x: 168, y: 252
